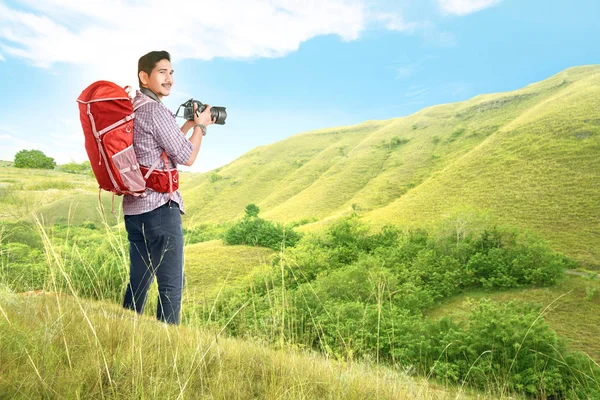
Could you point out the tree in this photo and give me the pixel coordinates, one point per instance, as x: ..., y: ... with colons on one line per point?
x: 252, y: 210
x: 33, y: 159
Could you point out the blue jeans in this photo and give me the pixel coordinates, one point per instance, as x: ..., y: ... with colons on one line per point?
x: 156, y: 249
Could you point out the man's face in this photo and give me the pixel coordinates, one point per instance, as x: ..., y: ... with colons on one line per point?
x: 160, y: 79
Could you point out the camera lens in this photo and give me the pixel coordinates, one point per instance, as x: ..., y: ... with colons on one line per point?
x: 218, y: 114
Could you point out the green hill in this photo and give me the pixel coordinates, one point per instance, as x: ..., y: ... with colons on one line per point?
x: 528, y: 157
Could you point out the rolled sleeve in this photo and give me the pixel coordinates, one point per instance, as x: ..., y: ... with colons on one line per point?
x: 169, y: 136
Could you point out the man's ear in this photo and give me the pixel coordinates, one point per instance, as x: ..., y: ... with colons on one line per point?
x: 143, y: 77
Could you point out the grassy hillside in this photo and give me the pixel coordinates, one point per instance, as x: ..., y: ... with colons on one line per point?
x: 528, y: 157
x: 211, y: 266
x: 57, y: 196
x: 64, y: 347
x: 540, y: 170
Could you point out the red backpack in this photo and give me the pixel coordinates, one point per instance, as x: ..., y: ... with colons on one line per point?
x: 107, y: 117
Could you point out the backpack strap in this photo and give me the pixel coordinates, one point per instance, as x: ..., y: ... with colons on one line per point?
x: 140, y: 101
x: 164, y: 154
x: 163, y: 157
x: 119, y: 122
x: 152, y: 167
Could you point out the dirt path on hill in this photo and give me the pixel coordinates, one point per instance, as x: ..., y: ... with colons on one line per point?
x: 579, y: 273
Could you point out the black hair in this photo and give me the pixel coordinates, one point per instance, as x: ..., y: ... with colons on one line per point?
x: 147, y: 62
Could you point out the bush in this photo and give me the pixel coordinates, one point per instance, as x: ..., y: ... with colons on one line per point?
x: 33, y: 159
x: 88, y: 260
x: 255, y: 231
x: 252, y: 210
x: 20, y: 232
x: 83, y: 168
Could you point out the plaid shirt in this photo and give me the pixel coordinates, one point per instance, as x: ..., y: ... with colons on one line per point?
x: 155, y: 130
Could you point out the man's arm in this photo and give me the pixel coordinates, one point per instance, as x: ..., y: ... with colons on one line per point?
x: 203, y: 118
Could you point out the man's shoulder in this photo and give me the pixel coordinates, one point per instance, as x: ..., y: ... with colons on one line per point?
x: 143, y: 103
x: 154, y: 108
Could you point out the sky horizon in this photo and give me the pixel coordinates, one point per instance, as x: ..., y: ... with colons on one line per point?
x: 281, y: 67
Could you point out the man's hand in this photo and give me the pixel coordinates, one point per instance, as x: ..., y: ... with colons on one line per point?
x: 204, y: 117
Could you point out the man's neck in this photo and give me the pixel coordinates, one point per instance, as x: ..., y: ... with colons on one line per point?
x: 150, y: 94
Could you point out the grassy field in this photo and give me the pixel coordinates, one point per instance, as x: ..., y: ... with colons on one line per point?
x: 57, y: 346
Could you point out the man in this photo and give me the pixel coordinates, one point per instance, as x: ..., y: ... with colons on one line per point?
x: 153, y: 223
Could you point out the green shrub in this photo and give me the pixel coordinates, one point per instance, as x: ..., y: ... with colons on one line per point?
x: 214, y: 177
x: 252, y: 210
x: 90, y: 261
x: 20, y: 232
x: 455, y: 135
x: 255, y: 231
x: 393, y: 143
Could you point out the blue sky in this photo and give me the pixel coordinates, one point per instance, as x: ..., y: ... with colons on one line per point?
x: 281, y: 67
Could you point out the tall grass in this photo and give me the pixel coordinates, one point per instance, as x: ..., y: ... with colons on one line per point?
x: 52, y: 348
x: 55, y: 343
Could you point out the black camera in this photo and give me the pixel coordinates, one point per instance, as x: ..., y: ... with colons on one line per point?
x: 218, y: 114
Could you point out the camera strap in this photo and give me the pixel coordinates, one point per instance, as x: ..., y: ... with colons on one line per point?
x: 189, y: 103
x: 150, y: 94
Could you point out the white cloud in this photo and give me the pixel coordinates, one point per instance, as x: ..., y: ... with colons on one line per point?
x: 1, y: 57
x: 464, y: 7
x: 457, y: 88
x: 88, y: 32
x: 405, y: 71
x: 408, y: 69
x: 415, y: 92
x: 393, y: 22
x: 435, y: 37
